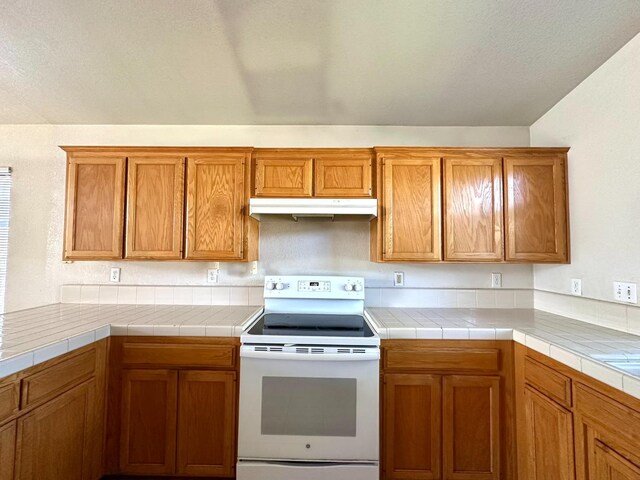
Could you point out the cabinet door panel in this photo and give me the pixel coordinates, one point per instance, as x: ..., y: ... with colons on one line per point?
x: 288, y: 176
x: 471, y: 429
x: 206, y: 423
x: 148, y: 431
x: 95, y: 207
x: 536, y: 209
x: 215, y: 207
x: 155, y: 198
x: 473, y: 209
x: 412, y: 425
x: 411, y: 209
x: 343, y: 175
x: 7, y: 450
x: 56, y: 440
x: 549, y: 432
x: 610, y: 465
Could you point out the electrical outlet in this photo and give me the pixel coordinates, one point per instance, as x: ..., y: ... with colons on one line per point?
x: 576, y: 286
x: 398, y: 279
x: 496, y: 280
x: 254, y: 267
x: 625, y: 292
x: 115, y: 275
x: 212, y: 275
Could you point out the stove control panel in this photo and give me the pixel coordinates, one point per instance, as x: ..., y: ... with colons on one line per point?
x: 322, y: 287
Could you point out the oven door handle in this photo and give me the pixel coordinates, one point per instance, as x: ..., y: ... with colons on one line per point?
x: 313, y: 357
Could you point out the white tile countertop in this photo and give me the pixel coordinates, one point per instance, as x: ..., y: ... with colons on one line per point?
x: 579, y: 345
x: 29, y: 337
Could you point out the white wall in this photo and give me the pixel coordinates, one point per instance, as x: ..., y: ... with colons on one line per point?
x: 35, y: 269
x: 600, y: 121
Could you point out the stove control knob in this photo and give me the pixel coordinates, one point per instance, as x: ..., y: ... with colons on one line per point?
x: 270, y: 285
x: 357, y: 287
x: 279, y: 286
x: 348, y: 287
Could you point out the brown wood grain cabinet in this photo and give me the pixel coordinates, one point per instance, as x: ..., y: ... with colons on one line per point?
x: 155, y: 200
x: 536, y: 215
x: 411, y: 427
x: 549, y: 432
x: 206, y: 423
x: 7, y: 450
x: 285, y: 173
x: 54, y: 440
x: 343, y: 174
x: 408, y: 227
x: 94, y: 214
x: 217, y: 194
x: 149, y: 408
x: 472, y: 209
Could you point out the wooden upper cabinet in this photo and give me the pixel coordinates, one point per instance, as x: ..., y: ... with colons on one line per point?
x: 343, y: 174
x: 206, y: 423
x: 216, y: 204
x: 155, y: 200
x: 536, y: 217
x: 412, y: 427
x: 95, y: 207
x: 471, y: 427
x: 283, y: 174
x: 410, y: 207
x: 549, y: 437
x: 472, y: 209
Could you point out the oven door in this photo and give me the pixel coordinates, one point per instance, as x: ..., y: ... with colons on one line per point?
x: 308, y: 406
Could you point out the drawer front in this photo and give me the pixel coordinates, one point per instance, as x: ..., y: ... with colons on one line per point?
x: 183, y: 355
x: 9, y: 399
x: 471, y: 359
x: 58, y: 378
x: 553, y: 384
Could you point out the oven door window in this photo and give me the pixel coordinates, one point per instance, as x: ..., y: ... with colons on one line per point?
x: 320, y: 407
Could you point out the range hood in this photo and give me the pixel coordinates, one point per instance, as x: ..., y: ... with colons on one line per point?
x: 366, y: 208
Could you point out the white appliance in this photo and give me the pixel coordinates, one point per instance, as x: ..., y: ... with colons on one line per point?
x: 313, y: 207
x: 309, y: 384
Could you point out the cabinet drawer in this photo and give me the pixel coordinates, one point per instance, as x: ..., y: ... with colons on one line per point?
x: 553, y: 384
x: 183, y: 355
x: 9, y: 398
x: 472, y: 359
x: 58, y: 378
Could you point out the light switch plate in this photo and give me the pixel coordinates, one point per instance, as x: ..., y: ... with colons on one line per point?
x: 576, y: 286
x: 398, y: 279
x: 496, y: 280
x: 625, y: 292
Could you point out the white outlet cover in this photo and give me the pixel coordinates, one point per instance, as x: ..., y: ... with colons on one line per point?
x: 212, y: 275
x: 114, y: 276
x: 576, y: 286
x: 625, y: 292
x: 496, y: 280
x: 398, y: 279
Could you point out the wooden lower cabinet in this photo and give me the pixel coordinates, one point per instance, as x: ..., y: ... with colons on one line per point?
x: 610, y: 465
x: 412, y: 426
x: 206, y: 423
x: 7, y: 450
x: 549, y: 433
x: 471, y: 427
x: 55, y: 440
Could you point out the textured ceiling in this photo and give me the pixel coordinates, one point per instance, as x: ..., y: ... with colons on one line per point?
x: 345, y: 62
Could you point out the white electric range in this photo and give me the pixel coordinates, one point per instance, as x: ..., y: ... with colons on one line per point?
x: 309, y: 384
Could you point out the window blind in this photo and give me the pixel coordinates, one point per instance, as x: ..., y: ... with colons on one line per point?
x: 5, y: 212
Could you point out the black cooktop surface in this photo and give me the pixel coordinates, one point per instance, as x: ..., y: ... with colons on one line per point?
x: 312, y: 325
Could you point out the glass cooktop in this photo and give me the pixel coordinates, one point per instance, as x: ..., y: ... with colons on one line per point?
x: 311, y: 325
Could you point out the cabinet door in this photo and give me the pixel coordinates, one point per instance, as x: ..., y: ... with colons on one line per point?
x: 536, y: 209
x: 343, y: 175
x: 471, y: 427
x: 206, y: 423
x: 473, y: 209
x: 549, y: 433
x: 95, y: 207
x: 610, y: 465
x: 215, y: 207
x: 288, y: 176
x: 7, y: 450
x: 56, y: 439
x: 155, y: 198
x: 148, y: 430
x: 411, y: 209
x: 411, y: 426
